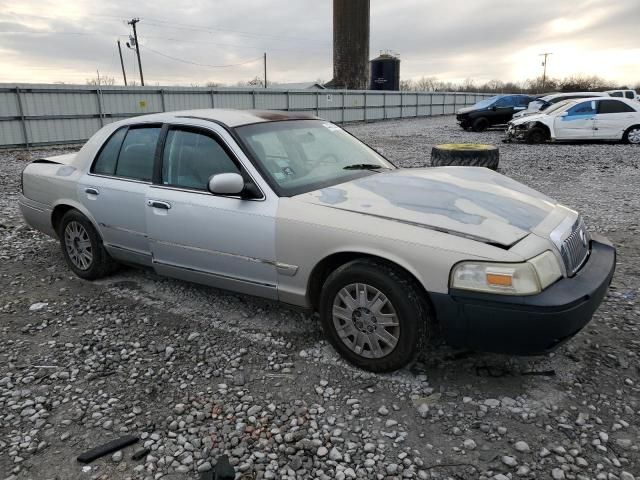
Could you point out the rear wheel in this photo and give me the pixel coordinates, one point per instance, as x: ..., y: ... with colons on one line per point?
x: 374, y: 315
x: 480, y: 124
x: 82, y: 247
x: 632, y: 135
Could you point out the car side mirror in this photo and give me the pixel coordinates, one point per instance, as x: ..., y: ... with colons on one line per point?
x: 494, y: 108
x: 226, y: 184
x: 564, y: 114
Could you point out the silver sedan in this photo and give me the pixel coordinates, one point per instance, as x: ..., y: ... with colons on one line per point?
x: 293, y: 208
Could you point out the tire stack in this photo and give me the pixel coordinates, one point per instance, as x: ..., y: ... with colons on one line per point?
x: 465, y: 154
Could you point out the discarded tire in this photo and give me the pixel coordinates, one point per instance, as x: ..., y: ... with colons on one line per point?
x: 465, y: 154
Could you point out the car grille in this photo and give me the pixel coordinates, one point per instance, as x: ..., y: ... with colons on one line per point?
x: 575, y: 248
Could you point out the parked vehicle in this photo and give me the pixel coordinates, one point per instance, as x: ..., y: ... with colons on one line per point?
x: 293, y: 208
x: 628, y: 94
x: 542, y: 103
x: 601, y: 118
x: 492, y: 111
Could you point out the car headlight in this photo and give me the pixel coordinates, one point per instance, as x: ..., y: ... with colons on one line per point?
x: 525, y: 278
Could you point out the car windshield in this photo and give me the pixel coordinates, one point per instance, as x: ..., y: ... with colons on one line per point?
x: 487, y: 101
x: 537, y: 105
x: 300, y: 156
x: 558, y: 106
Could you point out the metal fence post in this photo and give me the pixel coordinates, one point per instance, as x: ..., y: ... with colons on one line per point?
x: 317, y: 104
x: 162, y: 101
x: 365, y: 106
x: 401, y: 105
x: 100, y: 109
x: 253, y: 96
x: 288, y: 100
x: 384, y: 105
x: 213, y: 98
x: 343, y: 95
x: 22, y: 120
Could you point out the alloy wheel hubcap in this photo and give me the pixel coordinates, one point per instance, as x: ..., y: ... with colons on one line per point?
x: 634, y: 135
x: 78, y: 245
x: 365, y: 320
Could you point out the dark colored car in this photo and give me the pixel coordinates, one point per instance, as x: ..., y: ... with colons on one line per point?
x: 492, y: 111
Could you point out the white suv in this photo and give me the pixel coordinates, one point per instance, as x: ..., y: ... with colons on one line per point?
x: 583, y: 119
x: 629, y: 94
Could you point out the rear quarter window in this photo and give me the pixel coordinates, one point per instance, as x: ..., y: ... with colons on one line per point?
x: 105, y: 164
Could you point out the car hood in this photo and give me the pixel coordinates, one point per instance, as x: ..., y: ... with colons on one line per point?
x: 470, y: 202
x: 462, y: 111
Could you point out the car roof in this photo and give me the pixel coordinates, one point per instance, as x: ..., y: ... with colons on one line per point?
x: 225, y: 116
x: 574, y: 94
x: 573, y: 101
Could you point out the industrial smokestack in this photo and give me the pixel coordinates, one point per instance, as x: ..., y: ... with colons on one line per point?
x: 350, y: 44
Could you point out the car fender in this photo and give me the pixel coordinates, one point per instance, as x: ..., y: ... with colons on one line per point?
x: 78, y: 206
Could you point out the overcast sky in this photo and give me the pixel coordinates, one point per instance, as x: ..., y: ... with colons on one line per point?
x: 46, y: 41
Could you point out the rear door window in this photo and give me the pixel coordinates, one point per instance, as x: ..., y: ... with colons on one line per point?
x: 616, y: 94
x: 613, y: 106
x: 630, y: 95
x: 137, y: 153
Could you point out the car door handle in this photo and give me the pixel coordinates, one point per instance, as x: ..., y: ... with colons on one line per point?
x: 91, y: 191
x: 158, y: 204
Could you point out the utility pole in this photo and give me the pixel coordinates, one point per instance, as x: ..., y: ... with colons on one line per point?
x: 135, y: 39
x: 544, y: 71
x: 265, y: 69
x: 124, y: 74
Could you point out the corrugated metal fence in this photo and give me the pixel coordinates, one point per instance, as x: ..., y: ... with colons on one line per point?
x: 56, y: 114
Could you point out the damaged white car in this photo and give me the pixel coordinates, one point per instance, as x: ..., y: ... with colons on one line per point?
x: 293, y: 208
x: 581, y: 119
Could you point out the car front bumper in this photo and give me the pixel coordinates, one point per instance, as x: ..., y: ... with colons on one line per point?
x: 514, y: 133
x: 528, y: 325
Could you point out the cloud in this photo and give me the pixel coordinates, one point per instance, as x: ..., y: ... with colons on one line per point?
x: 62, y: 40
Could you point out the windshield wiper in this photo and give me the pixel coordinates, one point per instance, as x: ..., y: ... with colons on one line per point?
x: 364, y: 166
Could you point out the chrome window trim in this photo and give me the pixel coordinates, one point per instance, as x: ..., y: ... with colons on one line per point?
x: 205, y: 192
x: 115, y: 177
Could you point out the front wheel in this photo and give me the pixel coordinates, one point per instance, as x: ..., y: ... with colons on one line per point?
x: 82, y: 247
x: 374, y: 315
x: 536, y: 135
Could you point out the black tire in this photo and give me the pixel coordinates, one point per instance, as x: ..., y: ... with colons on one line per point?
x: 537, y: 135
x: 101, y: 264
x: 406, y: 299
x: 629, y: 138
x: 480, y: 124
x: 465, y: 154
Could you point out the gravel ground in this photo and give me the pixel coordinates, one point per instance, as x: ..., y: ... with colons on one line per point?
x: 196, y: 372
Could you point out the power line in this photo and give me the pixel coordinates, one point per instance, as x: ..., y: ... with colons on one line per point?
x: 186, y: 26
x: 201, y: 64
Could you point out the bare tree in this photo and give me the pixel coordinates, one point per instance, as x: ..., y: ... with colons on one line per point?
x: 212, y: 84
x: 256, y: 82
x: 102, y: 80
x: 407, y: 85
